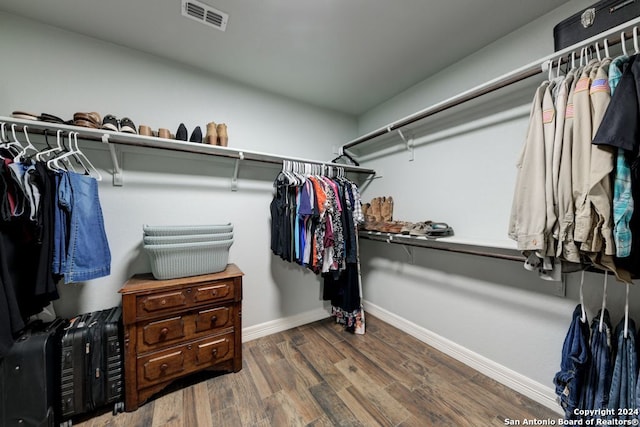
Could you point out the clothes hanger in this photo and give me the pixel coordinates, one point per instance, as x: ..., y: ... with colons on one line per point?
x: 606, y: 48
x: 42, y: 155
x: 604, y: 301
x: 598, y: 51
x: 84, y: 160
x: 583, y: 317
x: 29, y: 146
x: 624, y: 45
x: 15, y: 144
x: 635, y: 40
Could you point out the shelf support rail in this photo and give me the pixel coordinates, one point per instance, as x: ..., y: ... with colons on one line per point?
x: 515, y: 76
x: 118, y: 178
x: 234, y: 179
x: 408, y: 143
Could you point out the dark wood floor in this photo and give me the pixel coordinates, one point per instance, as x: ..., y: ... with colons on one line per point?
x: 319, y: 375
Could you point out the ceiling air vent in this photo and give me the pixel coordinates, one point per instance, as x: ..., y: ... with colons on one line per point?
x: 205, y: 14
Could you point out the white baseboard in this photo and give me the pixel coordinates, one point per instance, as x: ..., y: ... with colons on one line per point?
x: 278, y: 325
x: 534, y: 390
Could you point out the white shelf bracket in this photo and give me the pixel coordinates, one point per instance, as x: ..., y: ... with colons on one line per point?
x: 116, y: 159
x: 234, y: 179
x: 408, y: 143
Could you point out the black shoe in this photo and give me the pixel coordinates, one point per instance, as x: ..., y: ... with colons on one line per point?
x: 110, y: 122
x: 127, y: 126
x: 181, y: 134
x: 196, y: 135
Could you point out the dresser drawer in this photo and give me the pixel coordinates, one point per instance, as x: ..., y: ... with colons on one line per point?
x: 158, y: 334
x: 183, y: 359
x: 186, y: 298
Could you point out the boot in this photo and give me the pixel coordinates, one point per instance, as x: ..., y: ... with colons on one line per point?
x: 374, y: 210
x: 223, y: 138
x: 386, y: 209
x: 212, y: 134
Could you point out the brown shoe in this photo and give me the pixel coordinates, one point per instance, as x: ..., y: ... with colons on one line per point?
x: 212, y: 134
x: 223, y: 138
x: 386, y: 209
x: 145, y: 130
x: 164, y: 133
x: 374, y: 210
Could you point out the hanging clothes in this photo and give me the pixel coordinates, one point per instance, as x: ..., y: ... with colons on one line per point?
x: 314, y: 222
x: 576, y: 355
x: 625, y: 373
x: 566, y: 207
x: 597, y: 384
x: 51, y: 227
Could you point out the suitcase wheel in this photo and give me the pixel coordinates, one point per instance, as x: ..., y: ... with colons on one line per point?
x: 118, y: 407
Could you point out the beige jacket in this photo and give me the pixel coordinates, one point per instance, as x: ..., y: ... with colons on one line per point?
x: 527, y: 222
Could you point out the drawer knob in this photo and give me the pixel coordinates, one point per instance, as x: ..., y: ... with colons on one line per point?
x: 214, y: 352
x: 214, y: 319
x: 214, y: 292
x: 163, y: 302
x: 163, y: 367
x: 163, y: 333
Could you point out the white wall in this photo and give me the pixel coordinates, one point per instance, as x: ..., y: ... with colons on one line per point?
x: 50, y: 70
x: 466, y: 178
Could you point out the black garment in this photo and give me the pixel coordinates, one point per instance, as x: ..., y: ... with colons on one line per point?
x: 343, y: 290
x: 620, y: 127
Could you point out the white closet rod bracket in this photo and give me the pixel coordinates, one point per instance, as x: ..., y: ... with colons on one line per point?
x: 234, y: 179
x: 408, y: 143
x: 118, y: 178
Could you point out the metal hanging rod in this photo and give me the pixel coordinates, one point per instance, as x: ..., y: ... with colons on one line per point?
x: 120, y: 138
x: 507, y: 79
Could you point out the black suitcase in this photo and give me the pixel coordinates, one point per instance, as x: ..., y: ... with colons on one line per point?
x: 593, y: 20
x: 30, y: 377
x: 91, y: 361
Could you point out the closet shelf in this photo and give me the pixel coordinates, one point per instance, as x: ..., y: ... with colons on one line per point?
x: 118, y: 138
x: 450, y: 244
x: 402, y: 126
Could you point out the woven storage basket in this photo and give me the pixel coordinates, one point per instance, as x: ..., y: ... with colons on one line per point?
x: 186, y: 238
x: 178, y: 230
x: 171, y: 261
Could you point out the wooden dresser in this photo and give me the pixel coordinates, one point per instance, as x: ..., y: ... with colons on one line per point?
x: 175, y: 327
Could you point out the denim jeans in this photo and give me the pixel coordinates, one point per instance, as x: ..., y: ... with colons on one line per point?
x: 575, y: 357
x: 598, y: 380
x: 85, y: 250
x: 625, y: 372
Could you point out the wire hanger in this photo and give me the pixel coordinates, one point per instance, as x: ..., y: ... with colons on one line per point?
x: 583, y: 317
x: 604, y: 301
x: 29, y: 146
x: 42, y: 155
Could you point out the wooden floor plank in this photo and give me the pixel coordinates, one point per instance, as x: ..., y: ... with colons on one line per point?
x: 167, y: 411
x: 318, y: 375
x: 374, y: 392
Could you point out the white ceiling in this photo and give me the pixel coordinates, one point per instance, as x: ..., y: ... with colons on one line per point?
x: 347, y: 55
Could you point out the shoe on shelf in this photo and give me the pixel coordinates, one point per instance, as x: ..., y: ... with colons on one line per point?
x: 145, y: 130
x: 374, y: 209
x: 24, y: 115
x: 182, y: 133
x: 127, y: 126
x: 212, y: 134
x: 420, y: 228
x: 223, y: 138
x: 110, y: 122
x: 386, y: 208
x: 196, y: 135
x: 164, y: 133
